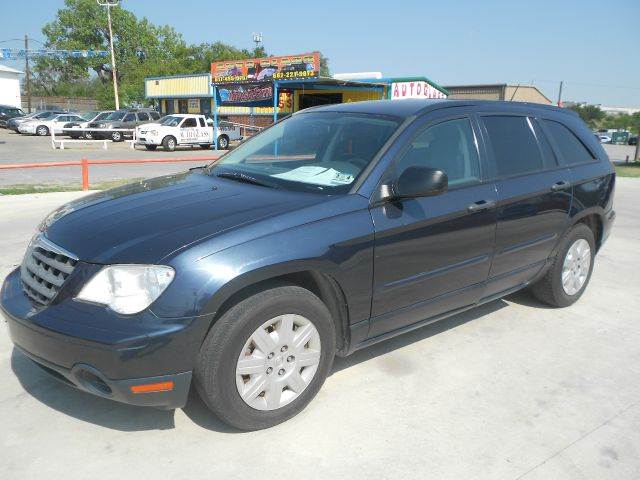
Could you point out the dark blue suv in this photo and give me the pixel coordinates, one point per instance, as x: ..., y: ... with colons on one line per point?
x: 336, y: 228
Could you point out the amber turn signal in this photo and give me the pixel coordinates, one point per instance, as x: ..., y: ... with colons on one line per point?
x: 152, y: 387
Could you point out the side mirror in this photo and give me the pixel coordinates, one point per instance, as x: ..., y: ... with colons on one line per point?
x: 421, y: 182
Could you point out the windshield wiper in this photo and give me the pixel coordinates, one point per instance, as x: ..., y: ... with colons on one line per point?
x: 242, y: 177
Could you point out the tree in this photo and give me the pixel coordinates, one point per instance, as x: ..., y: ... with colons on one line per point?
x: 324, y: 66
x: 142, y: 50
x: 590, y: 114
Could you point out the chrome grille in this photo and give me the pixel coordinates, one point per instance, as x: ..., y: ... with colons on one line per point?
x: 44, y: 269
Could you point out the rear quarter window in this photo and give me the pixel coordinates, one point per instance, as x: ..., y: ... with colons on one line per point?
x: 514, y: 145
x: 570, y: 147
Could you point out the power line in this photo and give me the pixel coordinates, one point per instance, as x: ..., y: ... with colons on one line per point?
x: 628, y: 87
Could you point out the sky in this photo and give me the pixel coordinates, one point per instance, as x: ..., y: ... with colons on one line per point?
x: 593, y: 46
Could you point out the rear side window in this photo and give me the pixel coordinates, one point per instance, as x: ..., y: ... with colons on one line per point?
x: 514, y: 145
x: 129, y: 117
x: 155, y: 115
x: 571, y: 148
x: 201, y: 120
x: 143, y: 117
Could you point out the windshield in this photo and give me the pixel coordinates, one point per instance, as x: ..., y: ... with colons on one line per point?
x: 14, y: 111
x: 170, y: 121
x: 315, y: 151
x: 116, y: 116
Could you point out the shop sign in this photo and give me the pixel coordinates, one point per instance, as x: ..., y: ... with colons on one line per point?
x: 418, y: 89
x: 245, y: 95
x: 290, y: 67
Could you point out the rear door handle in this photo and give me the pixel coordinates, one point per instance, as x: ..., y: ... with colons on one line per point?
x: 561, y: 185
x: 481, y: 205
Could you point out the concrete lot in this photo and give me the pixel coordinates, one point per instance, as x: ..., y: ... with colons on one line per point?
x: 511, y: 390
x: 17, y: 148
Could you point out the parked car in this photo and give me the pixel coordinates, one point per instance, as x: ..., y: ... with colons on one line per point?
x: 75, y: 129
x: 14, y: 123
x: 7, y: 112
x: 633, y: 140
x: 44, y: 126
x: 185, y: 129
x: 122, y: 119
x: 604, y: 138
x: 337, y: 228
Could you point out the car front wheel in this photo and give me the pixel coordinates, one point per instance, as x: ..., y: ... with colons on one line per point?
x: 266, y: 357
x: 42, y: 131
x: 116, y: 136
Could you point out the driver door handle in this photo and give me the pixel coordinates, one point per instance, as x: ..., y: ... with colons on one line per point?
x: 481, y: 205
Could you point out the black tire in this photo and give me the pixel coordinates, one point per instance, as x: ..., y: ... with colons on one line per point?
x: 215, y: 377
x: 151, y: 147
x: 88, y: 135
x: 223, y: 142
x: 549, y: 288
x: 42, y: 130
x: 169, y: 143
x: 117, y: 136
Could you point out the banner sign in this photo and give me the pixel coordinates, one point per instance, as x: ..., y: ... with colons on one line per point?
x: 19, y: 54
x: 417, y: 89
x: 245, y: 95
x: 291, y: 67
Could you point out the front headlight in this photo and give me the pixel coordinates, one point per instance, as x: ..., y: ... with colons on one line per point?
x: 127, y: 289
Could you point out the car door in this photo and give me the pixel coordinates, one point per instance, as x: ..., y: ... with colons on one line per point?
x: 433, y: 254
x: 188, y: 131
x: 534, y: 198
x: 205, y: 133
x: 58, y: 123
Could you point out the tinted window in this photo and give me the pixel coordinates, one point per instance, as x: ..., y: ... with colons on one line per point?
x: 514, y: 145
x: 155, y: 115
x: 129, y: 117
x: 189, y: 122
x: 448, y: 146
x: 143, y: 117
x: 201, y: 122
x: 571, y: 148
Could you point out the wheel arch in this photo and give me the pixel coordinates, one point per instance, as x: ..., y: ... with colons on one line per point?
x: 592, y: 218
x: 318, y: 282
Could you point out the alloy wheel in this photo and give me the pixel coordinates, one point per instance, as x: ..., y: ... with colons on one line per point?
x: 575, y: 268
x: 277, y: 362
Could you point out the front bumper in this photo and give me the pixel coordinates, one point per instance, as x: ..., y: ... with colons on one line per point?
x: 146, y: 140
x: 102, y: 353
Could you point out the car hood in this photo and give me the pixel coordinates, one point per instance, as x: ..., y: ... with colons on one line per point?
x: 145, y: 222
x: 150, y: 125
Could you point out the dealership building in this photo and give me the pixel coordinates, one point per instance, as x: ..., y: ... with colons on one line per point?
x: 259, y: 91
x: 498, y: 91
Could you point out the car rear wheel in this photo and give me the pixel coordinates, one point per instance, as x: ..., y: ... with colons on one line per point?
x: 223, y: 142
x: 42, y: 131
x: 169, y: 143
x: 569, y: 274
x: 266, y: 357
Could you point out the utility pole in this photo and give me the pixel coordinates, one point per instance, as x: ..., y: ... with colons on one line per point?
x: 560, y: 94
x: 636, y: 156
x: 27, y: 84
x: 109, y: 4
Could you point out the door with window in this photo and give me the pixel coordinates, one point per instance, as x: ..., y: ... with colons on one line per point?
x: 433, y: 254
x: 534, y: 197
x: 189, y: 130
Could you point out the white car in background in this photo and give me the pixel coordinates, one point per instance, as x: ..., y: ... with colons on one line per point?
x: 74, y: 129
x: 44, y: 127
x: 185, y: 129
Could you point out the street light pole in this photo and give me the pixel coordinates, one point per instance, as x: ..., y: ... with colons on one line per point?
x: 109, y: 4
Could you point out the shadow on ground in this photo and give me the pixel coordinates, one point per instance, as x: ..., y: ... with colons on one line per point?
x: 127, y: 418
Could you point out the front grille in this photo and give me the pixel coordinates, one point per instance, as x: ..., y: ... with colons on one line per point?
x: 44, y: 270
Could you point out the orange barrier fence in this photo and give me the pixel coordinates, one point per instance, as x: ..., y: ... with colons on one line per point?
x: 84, y: 164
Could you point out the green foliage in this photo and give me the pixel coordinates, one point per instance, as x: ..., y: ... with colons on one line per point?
x: 590, y: 114
x: 142, y: 50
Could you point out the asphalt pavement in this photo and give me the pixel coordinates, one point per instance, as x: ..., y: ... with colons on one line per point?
x: 511, y: 390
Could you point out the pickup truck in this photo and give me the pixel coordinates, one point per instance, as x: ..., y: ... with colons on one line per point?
x: 185, y: 129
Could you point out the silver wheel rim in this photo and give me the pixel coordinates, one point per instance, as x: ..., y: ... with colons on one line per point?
x: 575, y: 268
x: 42, y: 131
x: 171, y: 144
x: 278, y: 362
x: 223, y: 143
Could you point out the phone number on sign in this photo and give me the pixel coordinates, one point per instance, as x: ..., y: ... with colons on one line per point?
x: 302, y: 74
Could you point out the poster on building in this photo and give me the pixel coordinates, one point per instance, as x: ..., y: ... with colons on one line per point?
x: 245, y: 95
x: 417, y: 89
x: 290, y: 67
